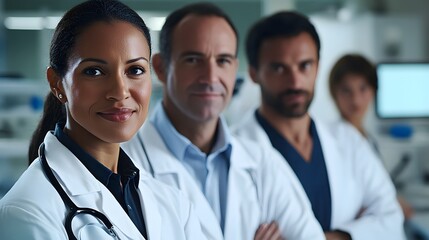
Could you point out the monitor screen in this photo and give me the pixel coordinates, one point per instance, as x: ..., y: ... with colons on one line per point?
x: 403, y: 90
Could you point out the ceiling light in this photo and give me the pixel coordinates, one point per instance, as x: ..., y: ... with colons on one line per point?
x: 52, y: 22
x: 24, y: 23
x: 155, y: 23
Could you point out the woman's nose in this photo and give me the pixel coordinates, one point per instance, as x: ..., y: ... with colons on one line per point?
x: 118, y: 88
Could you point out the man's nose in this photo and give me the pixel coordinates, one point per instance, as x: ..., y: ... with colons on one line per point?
x: 295, y: 78
x: 211, y: 71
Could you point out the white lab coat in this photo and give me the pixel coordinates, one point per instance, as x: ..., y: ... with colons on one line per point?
x: 33, y: 209
x: 363, y: 197
x: 261, y: 189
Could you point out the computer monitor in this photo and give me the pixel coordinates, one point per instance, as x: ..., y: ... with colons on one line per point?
x: 403, y: 90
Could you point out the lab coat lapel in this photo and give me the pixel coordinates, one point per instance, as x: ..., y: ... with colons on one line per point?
x: 119, y: 217
x: 333, y: 162
x: 150, y: 209
x: 162, y: 162
x: 84, y: 189
x: 257, y: 132
x: 242, y: 201
x: 170, y: 170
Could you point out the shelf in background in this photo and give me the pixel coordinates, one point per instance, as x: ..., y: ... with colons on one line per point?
x: 11, y: 147
x: 23, y: 87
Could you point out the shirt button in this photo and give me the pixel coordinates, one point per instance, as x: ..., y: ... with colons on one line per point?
x: 134, y: 173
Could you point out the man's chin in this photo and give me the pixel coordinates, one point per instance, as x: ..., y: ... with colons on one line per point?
x: 207, y: 116
x: 293, y: 113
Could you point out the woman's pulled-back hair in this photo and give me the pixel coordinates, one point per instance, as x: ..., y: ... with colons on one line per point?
x: 72, y: 24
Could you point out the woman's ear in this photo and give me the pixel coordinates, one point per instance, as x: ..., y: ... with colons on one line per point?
x: 55, y: 84
x: 159, y: 67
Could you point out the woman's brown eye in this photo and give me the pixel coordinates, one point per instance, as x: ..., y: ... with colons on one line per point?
x: 92, y: 72
x: 137, y: 71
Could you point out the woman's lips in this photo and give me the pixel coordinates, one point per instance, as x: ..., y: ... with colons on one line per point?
x: 117, y: 114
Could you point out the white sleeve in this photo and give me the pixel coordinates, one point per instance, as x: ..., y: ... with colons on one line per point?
x: 17, y: 223
x: 381, y: 216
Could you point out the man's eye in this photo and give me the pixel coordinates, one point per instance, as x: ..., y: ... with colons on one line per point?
x: 224, y: 61
x: 191, y: 60
x: 278, y: 68
x: 92, y: 72
x: 306, y: 65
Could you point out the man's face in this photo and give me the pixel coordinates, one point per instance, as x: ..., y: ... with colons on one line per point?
x: 287, y: 73
x: 202, y: 71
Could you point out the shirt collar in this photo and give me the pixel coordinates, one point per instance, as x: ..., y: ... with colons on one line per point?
x: 179, y: 144
x: 223, y: 139
x: 100, y: 172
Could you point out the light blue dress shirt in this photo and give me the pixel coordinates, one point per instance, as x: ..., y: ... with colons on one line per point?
x: 210, y: 171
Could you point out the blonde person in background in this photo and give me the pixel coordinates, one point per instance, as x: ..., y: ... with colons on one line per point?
x: 82, y: 185
x: 350, y: 192
x: 353, y: 84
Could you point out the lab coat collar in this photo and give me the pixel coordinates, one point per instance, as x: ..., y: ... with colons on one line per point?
x: 83, y: 188
x: 69, y: 170
x: 179, y: 145
x: 156, y: 147
x: 240, y: 157
x: 162, y: 163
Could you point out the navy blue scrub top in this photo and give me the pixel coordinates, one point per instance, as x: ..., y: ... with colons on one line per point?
x: 312, y: 175
x: 128, y: 175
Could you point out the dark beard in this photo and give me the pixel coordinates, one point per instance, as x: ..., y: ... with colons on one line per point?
x: 276, y: 103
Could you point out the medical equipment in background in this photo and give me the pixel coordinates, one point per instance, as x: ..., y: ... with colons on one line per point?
x: 21, y: 104
x: 402, y: 92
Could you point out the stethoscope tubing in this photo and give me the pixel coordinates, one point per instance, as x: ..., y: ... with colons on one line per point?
x: 73, y: 209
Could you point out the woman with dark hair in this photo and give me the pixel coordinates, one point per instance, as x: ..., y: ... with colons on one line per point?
x: 353, y: 84
x: 81, y: 184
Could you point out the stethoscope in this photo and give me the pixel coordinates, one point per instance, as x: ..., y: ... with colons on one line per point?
x: 73, y: 210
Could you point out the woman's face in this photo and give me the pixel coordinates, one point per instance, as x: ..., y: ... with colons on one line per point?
x: 353, y: 96
x: 108, y: 85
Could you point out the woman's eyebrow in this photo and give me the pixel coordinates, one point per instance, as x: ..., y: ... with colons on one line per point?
x: 93, y: 60
x: 104, y: 62
x: 137, y: 59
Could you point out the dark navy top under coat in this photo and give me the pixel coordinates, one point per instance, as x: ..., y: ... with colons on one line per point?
x: 312, y: 175
x: 128, y: 175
